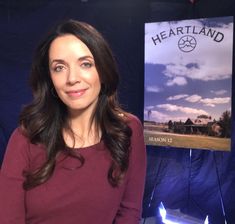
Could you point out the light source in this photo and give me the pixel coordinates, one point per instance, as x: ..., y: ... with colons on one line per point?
x: 169, y: 216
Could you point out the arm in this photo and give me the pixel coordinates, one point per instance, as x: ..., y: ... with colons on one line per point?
x: 12, y: 209
x: 131, y: 204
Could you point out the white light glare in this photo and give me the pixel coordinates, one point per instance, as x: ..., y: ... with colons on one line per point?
x: 206, y: 220
x: 162, y: 212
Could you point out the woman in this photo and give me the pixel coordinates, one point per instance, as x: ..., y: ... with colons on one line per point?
x: 76, y: 157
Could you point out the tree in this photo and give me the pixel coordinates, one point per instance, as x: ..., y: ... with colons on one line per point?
x: 170, y: 125
x: 204, y: 116
x: 225, y: 123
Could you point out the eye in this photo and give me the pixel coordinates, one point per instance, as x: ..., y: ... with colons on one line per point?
x: 58, y: 68
x: 86, y: 65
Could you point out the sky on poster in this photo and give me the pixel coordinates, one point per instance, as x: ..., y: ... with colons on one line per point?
x: 181, y: 85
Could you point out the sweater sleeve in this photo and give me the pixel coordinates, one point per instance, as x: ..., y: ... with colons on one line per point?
x: 131, y: 204
x: 12, y: 209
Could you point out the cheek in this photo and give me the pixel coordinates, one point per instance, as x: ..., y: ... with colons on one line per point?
x: 94, y: 79
x: 57, y: 81
x: 98, y: 84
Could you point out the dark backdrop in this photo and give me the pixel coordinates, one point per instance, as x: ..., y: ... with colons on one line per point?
x: 199, y: 184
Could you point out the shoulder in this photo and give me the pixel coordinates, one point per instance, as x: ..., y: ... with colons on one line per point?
x: 18, y: 136
x: 138, y: 149
x: 17, y: 154
x: 17, y: 141
x: 21, y: 154
x: 134, y: 123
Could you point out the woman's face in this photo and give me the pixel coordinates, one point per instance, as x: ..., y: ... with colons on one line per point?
x: 73, y: 73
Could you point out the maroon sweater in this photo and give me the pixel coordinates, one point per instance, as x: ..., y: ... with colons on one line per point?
x: 72, y: 195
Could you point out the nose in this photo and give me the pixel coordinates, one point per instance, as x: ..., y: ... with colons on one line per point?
x: 73, y: 75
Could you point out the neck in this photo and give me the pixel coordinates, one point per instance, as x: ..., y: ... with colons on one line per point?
x: 84, y: 131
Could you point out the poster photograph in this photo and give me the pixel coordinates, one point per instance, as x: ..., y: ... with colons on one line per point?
x: 188, y: 83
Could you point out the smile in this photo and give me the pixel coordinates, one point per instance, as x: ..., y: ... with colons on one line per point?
x: 76, y: 93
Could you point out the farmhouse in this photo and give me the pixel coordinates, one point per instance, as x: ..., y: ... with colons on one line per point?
x: 201, y: 125
x: 197, y: 126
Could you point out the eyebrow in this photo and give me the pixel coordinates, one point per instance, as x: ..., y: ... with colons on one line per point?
x: 56, y: 60
x: 85, y: 57
x: 79, y: 59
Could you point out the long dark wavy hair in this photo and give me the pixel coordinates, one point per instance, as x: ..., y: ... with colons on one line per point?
x: 43, y: 120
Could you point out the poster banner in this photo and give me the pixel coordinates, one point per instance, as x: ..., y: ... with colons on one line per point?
x: 188, y: 83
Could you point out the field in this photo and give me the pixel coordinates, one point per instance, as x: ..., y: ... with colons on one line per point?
x: 186, y: 141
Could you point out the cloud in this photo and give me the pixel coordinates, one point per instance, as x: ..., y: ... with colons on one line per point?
x: 212, y: 102
x: 177, y: 97
x: 212, y: 60
x: 156, y: 115
x: 154, y: 89
x: 219, y: 92
x: 215, y: 101
x: 180, y: 81
x: 149, y: 108
x: 193, y: 98
x: 163, y: 117
x: 176, y: 108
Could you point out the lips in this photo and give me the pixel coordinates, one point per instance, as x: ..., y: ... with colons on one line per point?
x: 76, y: 93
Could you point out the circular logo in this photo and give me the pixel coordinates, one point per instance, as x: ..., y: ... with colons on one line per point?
x: 187, y: 43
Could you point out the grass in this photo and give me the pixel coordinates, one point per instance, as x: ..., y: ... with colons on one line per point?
x: 187, y: 141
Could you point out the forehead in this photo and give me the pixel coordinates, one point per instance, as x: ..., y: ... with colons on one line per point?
x: 68, y: 45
